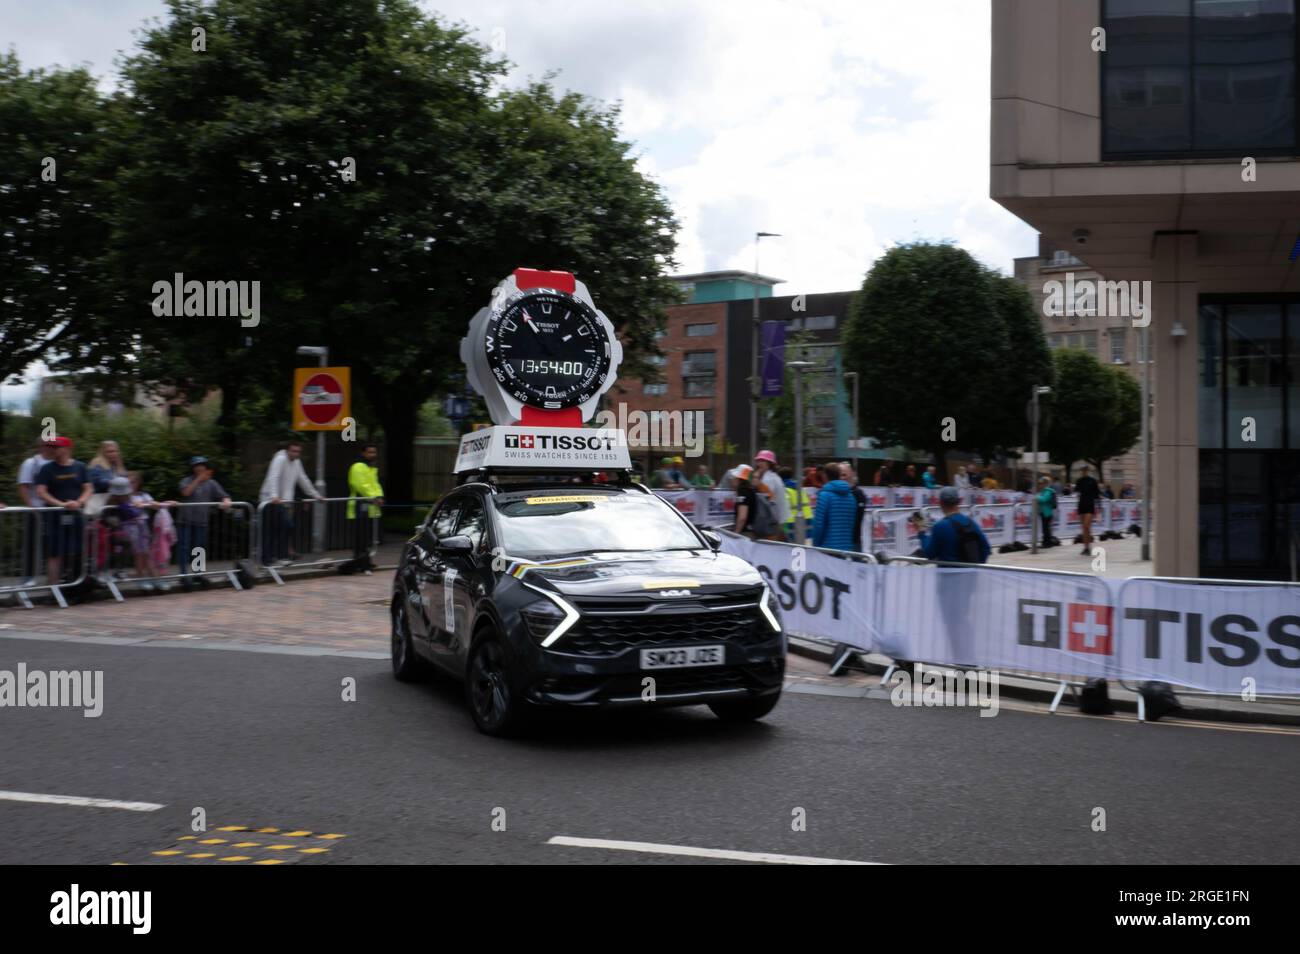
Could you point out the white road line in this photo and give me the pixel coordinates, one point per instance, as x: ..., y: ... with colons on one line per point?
x: 80, y: 801
x: 653, y: 849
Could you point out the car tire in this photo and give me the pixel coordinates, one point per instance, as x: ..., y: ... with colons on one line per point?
x: 407, y: 666
x: 745, y: 710
x: 494, y: 702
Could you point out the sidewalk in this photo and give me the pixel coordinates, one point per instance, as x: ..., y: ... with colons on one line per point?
x: 1123, y: 558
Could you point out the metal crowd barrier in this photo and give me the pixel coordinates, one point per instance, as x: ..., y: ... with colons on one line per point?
x: 154, y: 545
x: 1184, y: 689
x: 314, y: 533
x: 29, y: 538
x: 953, y: 612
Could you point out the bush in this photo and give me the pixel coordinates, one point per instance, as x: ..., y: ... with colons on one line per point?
x: 156, y: 447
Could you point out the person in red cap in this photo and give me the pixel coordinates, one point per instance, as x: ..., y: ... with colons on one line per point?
x: 769, y: 481
x: 65, y: 483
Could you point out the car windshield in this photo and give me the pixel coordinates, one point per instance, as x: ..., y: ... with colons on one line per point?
x: 539, y: 523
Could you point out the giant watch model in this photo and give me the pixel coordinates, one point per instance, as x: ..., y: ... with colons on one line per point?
x: 541, y: 352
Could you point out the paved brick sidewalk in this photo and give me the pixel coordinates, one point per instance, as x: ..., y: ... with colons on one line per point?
x: 339, y: 612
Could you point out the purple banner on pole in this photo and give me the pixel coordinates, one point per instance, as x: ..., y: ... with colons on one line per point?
x: 772, y: 370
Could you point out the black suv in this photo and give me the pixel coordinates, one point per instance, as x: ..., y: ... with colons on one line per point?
x: 547, y: 593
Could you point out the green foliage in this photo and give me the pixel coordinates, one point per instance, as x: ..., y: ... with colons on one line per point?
x: 933, y: 334
x: 1094, y: 410
x: 160, y: 453
x: 779, y: 411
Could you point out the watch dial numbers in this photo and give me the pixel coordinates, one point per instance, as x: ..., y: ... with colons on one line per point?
x: 544, y: 350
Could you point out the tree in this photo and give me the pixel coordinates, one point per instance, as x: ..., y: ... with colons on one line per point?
x: 231, y: 168
x: 934, y: 335
x: 1089, y: 410
x: 52, y: 227
x: 1126, y: 427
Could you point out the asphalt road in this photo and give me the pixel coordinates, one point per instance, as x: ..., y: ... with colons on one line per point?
x: 264, y: 740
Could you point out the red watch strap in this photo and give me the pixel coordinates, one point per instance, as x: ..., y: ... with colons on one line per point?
x: 541, y: 417
x: 535, y: 278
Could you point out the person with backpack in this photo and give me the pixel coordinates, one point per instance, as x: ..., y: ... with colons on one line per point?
x: 836, y: 513
x: 1046, y: 501
x: 955, y: 538
x: 755, y: 514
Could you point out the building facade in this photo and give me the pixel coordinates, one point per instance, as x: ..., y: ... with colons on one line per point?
x: 1108, y: 338
x: 707, y: 360
x: 1158, y: 143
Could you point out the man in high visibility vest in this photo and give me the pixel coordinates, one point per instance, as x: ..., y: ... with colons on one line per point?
x: 792, y: 495
x: 363, y: 481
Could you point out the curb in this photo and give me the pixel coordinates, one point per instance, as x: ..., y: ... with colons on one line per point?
x: 1122, y: 699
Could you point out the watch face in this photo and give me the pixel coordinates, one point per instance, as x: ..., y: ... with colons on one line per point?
x: 548, y: 350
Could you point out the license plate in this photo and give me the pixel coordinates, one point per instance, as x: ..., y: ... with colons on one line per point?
x: 686, y: 656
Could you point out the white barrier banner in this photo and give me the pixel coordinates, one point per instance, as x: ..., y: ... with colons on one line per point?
x: 996, y: 619
x: 820, y: 595
x: 715, y: 508
x: 1065, y: 522
x: 686, y: 501
x: 997, y: 521
x: 1125, y: 513
x: 1240, y: 640
x: 877, y: 497
x: 905, y: 496
x: 1026, y: 518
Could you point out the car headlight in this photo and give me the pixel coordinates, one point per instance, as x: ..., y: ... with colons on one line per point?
x: 767, y: 603
x: 550, y: 618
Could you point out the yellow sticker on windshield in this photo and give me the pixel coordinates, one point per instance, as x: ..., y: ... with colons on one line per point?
x: 669, y: 584
x: 569, y: 498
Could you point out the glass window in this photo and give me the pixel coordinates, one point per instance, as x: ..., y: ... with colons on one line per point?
x: 588, y: 521
x: 1254, y: 372
x: 1207, y: 76
x: 698, y: 386
x: 1118, y: 343
x: 1293, y: 377
x: 819, y: 322
x: 653, y: 389
x: 1209, y: 394
x: 700, y: 362
x: 701, y: 331
x: 473, y: 522
x: 1210, y: 529
x: 444, y: 521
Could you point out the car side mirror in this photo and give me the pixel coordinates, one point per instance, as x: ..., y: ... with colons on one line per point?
x: 456, y: 544
x: 712, y: 538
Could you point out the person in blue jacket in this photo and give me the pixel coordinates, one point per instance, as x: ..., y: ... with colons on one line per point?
x: 836, y: 513
x: 956, y: 538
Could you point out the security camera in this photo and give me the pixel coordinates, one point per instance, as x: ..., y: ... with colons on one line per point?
x: 1081, y: 236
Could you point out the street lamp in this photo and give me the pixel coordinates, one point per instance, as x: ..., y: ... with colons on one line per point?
x: 755, y: 387
x: 1034, y: 415
x: 318, y: 513
x: 800, y: 530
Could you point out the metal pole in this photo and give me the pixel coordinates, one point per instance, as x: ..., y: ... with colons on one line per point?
x: 753, y: 370
x: 1146, y: 443
x: 318, y: 511
x: 800, y: 531
x: 1034, y: 516
x: 855, y: 448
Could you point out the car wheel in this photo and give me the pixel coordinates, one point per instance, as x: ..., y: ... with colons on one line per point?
x: 493, y: 702
x: 407, y: 666
x: 745, y: 710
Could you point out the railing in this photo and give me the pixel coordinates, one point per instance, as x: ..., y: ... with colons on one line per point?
x: 41, y: 542
x: 315, y: 534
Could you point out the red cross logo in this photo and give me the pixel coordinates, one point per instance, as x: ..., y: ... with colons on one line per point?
x: 1089, y: 628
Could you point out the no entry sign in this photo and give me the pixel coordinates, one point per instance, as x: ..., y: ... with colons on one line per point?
x: 322, y: 398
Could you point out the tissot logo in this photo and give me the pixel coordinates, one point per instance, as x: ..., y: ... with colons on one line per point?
x: 520, y: 441
x: 1088, y: 626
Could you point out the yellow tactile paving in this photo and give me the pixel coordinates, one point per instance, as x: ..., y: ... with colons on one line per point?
x: 195, y: 841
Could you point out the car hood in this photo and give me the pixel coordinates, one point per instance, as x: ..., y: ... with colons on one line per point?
x: 650, y: 574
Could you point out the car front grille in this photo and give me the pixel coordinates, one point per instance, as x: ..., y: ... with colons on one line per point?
x: 599, y: 635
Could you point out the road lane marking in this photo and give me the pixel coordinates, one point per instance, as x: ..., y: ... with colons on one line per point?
x: 647, y: 847
x: 79, y: 801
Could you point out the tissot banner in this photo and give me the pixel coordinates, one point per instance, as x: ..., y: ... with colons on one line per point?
x: 997, y: 521
x: 820, y: 594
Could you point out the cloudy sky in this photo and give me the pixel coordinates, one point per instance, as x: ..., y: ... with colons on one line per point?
x: 844, y: 125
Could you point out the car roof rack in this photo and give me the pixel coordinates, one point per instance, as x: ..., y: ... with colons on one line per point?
x: 491, y: 476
